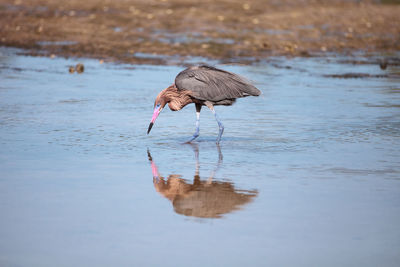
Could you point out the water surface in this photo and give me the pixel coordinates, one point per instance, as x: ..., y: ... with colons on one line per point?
x: 306, y: 174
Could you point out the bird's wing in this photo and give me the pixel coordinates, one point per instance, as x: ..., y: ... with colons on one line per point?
x: 212, y: 84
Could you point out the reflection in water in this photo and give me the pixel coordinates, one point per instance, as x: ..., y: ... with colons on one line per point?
x: 203, y: 198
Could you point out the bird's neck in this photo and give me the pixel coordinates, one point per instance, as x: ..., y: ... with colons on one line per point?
x: 175, y: 98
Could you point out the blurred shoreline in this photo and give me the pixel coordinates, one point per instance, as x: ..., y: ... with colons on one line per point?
x: 230, y: 31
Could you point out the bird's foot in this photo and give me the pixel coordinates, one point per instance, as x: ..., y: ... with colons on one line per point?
x: 193, y: 138
x: 221, y: 131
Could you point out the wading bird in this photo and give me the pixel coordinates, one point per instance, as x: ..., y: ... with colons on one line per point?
x: 204, y: 86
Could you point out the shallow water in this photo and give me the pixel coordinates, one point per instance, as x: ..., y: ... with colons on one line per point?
x: 306, y: 175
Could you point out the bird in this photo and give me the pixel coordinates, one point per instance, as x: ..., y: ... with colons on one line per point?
x: 203, y: 85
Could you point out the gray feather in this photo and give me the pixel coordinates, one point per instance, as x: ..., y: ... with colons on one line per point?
x: 211, y: 84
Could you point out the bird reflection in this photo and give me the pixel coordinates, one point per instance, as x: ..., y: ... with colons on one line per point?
x: 202, y: 198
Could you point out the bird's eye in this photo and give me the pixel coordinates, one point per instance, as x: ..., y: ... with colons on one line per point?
x: 158, y: 105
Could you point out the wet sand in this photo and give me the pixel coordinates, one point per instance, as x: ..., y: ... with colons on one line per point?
x: 230, y: 31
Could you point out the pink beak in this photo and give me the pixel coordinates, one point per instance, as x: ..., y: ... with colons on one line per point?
x: 157, y: 111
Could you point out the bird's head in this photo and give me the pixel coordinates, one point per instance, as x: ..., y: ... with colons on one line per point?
x: 159, y: 104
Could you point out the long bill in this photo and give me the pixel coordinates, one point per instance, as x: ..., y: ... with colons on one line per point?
x: 157, y: 111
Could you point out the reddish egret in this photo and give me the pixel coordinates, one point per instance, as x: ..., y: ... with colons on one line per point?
x: 204, y: 86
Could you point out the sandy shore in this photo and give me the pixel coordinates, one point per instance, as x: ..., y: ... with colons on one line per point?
x: 133, y: 31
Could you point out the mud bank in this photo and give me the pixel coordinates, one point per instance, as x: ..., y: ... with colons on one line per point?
x: 134, y: 31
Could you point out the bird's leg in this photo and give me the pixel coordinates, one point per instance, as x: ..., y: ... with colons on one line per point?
x: 221, y: 126
x: 197, y: 131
